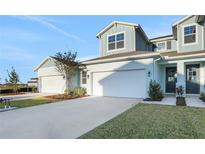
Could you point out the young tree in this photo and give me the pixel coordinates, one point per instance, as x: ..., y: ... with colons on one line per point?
x: 67, y: 65
x: 155, y: 92
x: 13, y: 79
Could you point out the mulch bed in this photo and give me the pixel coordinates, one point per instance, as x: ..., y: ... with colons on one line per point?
x: 63, y: 96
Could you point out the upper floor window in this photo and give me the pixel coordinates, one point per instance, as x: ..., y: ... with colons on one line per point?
x: 161, y: 46
x: 116, y: 41
x: 190, y: 34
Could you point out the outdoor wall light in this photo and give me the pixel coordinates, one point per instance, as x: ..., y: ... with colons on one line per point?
x: 149, y: 74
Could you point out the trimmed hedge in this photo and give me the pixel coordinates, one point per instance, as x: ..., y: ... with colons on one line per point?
x: 21, y: 89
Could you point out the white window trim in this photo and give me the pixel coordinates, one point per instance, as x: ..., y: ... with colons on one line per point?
x: 81, y: 76
x: 194, y: 43
x: 165, y: 42
x: 115, y: 41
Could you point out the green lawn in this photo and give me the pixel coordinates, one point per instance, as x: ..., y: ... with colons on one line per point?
x: 30, y: 102
x: 145, y: 121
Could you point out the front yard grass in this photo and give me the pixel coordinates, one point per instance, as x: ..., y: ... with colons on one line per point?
x: 149, y: 121
x: 30, y: 102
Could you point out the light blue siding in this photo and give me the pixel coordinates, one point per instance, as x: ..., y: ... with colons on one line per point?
x: 173, y: 45
x: 117, y: 28
x: 199, y: 45
x: 141, y: 42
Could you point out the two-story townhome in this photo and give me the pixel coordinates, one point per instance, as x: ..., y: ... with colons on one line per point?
x: 129, y: 60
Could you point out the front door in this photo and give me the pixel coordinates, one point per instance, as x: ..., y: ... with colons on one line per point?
x: 171, y: 79
x: 192, y: 79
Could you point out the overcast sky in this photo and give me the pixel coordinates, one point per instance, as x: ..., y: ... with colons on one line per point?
x: 26, y: 40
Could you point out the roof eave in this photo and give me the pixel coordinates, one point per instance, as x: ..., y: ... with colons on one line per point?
x: 39, y: 65
x: 115, y: 22
x: 144, y: 34
x: 152, y: 55
x: 162, y: 39
x: 180, y: 21
x: 184, y: 56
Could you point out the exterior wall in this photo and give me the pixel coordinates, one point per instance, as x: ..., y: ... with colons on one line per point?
x: 146, y: 64
x: 141, y: 43
x: 204, y: 34
x: 129, y: 39
x: 49, y: 69
x: 173, y: 45
x: 199, y: 45
x: 160, y: 74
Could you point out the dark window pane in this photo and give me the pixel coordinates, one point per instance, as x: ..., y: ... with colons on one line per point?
x: 84, y: 80
x: 111, y: 46
x: 120, y: 37
x: 161, y: 46
x: 111, y: 38
x: 169, y: 44
x: 189, y: 30
x: 84, y: 73
x: 192, y: 29
x: 120, y: 44
x: 190, y: 38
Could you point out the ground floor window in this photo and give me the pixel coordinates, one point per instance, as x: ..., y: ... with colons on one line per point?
x: 84, y: 77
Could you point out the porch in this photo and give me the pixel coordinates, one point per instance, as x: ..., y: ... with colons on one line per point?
x: 188, y: 73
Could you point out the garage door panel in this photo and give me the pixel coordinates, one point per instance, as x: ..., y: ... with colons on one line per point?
x: 53, y: 84
x: 120, y: 83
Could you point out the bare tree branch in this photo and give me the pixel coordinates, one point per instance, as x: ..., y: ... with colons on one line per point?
x: 67, y: 65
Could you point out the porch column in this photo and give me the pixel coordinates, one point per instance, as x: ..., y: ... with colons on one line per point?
x: 181, y: 75
x: 202, y: 76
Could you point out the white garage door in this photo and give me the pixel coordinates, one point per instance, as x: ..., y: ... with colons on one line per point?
x: 52, y: 84
x: 120, y: 83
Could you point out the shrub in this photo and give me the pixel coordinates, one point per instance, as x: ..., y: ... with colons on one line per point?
x: 66, y: 91
x: 33, y: 89
x: 202, y: 96
x: 155, y: 92
x: 71, y: 92
x: 79, y: 91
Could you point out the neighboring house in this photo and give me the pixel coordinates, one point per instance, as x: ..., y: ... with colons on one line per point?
x: 33, y: 82
x: 129, y: 60
x: 50, y: 80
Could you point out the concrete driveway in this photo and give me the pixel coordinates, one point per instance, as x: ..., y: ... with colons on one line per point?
x: 67, y: 119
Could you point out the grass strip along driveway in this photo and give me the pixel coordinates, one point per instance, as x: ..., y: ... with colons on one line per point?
x: 30, y: 102
x: 149, y: 121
